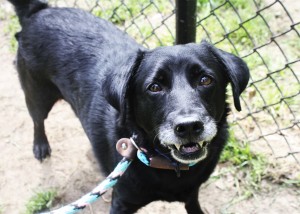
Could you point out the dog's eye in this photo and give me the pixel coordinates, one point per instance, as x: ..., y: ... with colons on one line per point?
x: 205, y: 80
x: 154, y: 87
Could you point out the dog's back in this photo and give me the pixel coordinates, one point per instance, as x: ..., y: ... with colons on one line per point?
x: 66, y: 53
x: 63, y: 41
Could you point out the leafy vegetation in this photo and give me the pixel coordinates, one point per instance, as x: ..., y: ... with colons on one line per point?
x: 294, y: 182
x: 142, y: 19
x: 245, y: 163
x: 41, y: 201
x: 11, y: 29
x: 236, y: 27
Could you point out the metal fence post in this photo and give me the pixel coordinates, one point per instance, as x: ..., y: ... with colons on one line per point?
x: 185, y: 21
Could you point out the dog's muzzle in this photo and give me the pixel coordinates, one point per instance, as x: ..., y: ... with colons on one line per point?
x: 188, y: 139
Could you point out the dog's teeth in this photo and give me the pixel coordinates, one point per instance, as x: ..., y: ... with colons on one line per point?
x: 201, y: 144
x: 177, y: 146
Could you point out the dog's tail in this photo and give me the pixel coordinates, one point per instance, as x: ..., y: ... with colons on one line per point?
x: 25, y: 8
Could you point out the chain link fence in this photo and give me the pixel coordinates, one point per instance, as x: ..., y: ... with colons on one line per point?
x: 265, y: 33
x: 151, y: 23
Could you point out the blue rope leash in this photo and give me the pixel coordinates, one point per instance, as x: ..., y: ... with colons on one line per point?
x: 129, y: 150
x: 91, y: 197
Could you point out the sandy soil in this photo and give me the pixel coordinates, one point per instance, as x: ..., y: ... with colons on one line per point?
x: 73, y: 171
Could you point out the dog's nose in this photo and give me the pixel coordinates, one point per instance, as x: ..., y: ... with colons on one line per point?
x: 188, y: 129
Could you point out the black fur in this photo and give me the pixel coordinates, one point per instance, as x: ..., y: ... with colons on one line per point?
x: 106, y: 77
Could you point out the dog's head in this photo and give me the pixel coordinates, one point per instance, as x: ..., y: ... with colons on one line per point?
x: 177, y: 95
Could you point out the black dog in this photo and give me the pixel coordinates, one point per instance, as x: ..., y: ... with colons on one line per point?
x: 172, y: 99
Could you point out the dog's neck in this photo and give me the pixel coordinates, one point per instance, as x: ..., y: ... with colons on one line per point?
x: 128, y: 148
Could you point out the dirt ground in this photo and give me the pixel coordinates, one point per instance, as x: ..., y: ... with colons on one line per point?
x: 72, y: 169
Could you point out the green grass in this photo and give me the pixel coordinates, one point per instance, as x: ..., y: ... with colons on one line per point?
x: 147, y: 18
x: 248, y: 168
x: 246, y: 31
x: 239, y: 155
x: 42, y: 200
x: 11, y: 29
x: 2, y: 14
x: 292, y: 182
x: 226, y: 16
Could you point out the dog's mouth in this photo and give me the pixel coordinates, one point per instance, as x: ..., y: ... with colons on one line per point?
x: 189, y: 153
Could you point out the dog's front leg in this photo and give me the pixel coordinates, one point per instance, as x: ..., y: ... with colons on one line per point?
x: 192, y: 204
x: 120, y: 206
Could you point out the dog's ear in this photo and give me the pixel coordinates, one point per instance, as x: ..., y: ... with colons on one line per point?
x: 237, y: 71
x: 117, y: 84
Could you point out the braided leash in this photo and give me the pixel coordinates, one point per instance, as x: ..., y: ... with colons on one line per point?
x: 128, y: 150
x: 91, y: 197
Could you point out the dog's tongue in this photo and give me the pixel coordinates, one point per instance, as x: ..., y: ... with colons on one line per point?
x: 189, y: 148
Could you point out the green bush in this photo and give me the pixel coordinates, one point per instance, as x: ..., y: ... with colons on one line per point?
x: 42, y: 200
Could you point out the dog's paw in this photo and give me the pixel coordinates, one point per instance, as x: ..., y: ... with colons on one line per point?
x: 41, y: 151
